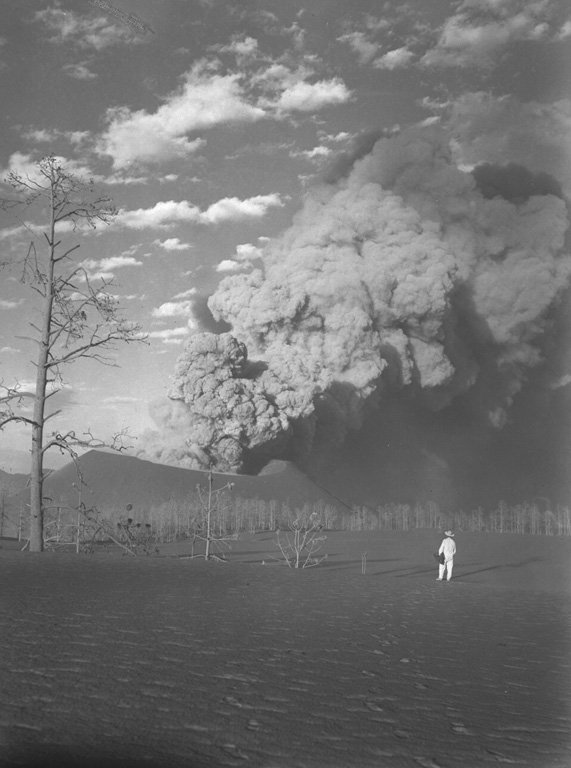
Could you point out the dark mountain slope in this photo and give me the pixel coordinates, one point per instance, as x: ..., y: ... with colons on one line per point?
x: 112, y: 480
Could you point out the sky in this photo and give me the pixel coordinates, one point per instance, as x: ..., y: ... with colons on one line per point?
x: 233, y: 134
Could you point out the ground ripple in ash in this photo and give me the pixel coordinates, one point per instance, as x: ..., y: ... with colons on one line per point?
x: 200, y: 664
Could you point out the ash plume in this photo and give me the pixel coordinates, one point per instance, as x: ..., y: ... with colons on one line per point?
x: 405, y: 278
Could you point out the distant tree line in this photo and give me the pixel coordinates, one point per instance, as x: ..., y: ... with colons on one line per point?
x: 179, y: 519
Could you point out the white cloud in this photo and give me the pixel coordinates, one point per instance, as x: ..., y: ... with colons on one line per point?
x: 247, y: 251
x: 376, y: 24
x: 22, y: 165
x: 399, y: 57
x: 562, y: 381
x: 111, y: 262
x: 365, y: 49
x: 480, y: 30
x: 102, y: 269
x: 317, y: 153
x: 338, y: 137
x: 83, y: 31
x: 170, y: 212
x: 229, y: 265
x: 208, y: 96
x: 565, y: 31
x: 242, y: 258
x: 26, y: 164
x: 44, y: 135
x: 308, y: 97
x: 185, y: 294
x: 173, y: 309
x: 28, y: 386
x: 9, y: 351
x: 171, y: 335
x: 161, y: 214
x: 203, y: 100
x: 172, y: 244
x: 9, y: 304
x: 297, y: 33
x: 9, y: 232
x: 40, y: 135
x: 242, y: 46
x: 234, y: 209
x: 79, y: 71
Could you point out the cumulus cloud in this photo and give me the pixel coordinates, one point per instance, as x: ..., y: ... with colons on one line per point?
x: 211, y: 94
x: 171, y: 335
x: 185, y: 294
x: 10, y: 303
x: 245, y: 254
x: 229, y: 265
x: 248, y: 251
x: 399, y: 57
x: 564, y: 31
x: 364, y: 48
x: 181, y: 308
x: 203, y: 100
x: 172, y: 244
x: 25, y: 164
x: 22, y: 164
x: 43, y: 135
x: 302, y: 96
x: 243, y: 47
x: 234, y: 209
x: 405, y: 274
x: 68, y: 27
x: 104, y: 269
x: 479, y: 31
x: 165, y: 213
x: 563, y: 381
x: 318, y: 153
x: 79, y: 71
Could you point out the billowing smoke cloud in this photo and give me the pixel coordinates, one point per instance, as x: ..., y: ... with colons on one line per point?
x: 405, y: 276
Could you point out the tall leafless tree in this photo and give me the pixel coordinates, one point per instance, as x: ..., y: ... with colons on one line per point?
x: 76, y: 316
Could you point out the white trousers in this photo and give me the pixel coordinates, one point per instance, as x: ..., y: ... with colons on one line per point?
x: 446, y: 567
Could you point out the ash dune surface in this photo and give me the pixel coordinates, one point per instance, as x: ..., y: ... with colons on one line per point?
x: 170, y: 661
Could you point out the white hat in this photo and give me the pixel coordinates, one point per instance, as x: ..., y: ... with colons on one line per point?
x: 448, y: 533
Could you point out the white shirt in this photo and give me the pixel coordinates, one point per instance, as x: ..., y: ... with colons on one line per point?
x: 448, y: 546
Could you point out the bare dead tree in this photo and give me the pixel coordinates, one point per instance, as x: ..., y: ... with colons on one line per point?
x: 76, y: 318
x: 299, y: 547
x: 211, y: 501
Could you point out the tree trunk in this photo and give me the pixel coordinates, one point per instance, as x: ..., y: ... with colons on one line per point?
x: 36, y: 484
x: 37, y: 466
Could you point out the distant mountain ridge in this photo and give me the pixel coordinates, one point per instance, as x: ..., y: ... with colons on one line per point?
x: 11, y: 484
x: 112, y: 480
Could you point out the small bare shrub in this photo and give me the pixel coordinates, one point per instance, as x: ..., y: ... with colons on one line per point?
x: 300, y: 545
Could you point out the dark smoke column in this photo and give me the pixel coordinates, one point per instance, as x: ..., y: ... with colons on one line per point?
x: 232, y: 411
x: 406, y: 275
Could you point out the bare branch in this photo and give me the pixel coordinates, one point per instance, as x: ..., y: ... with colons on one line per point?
x: 77, y: 319
x: 6, y: 419
x: 52, y: 415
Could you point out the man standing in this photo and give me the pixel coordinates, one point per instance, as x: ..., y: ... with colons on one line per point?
x: 448, y: 549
